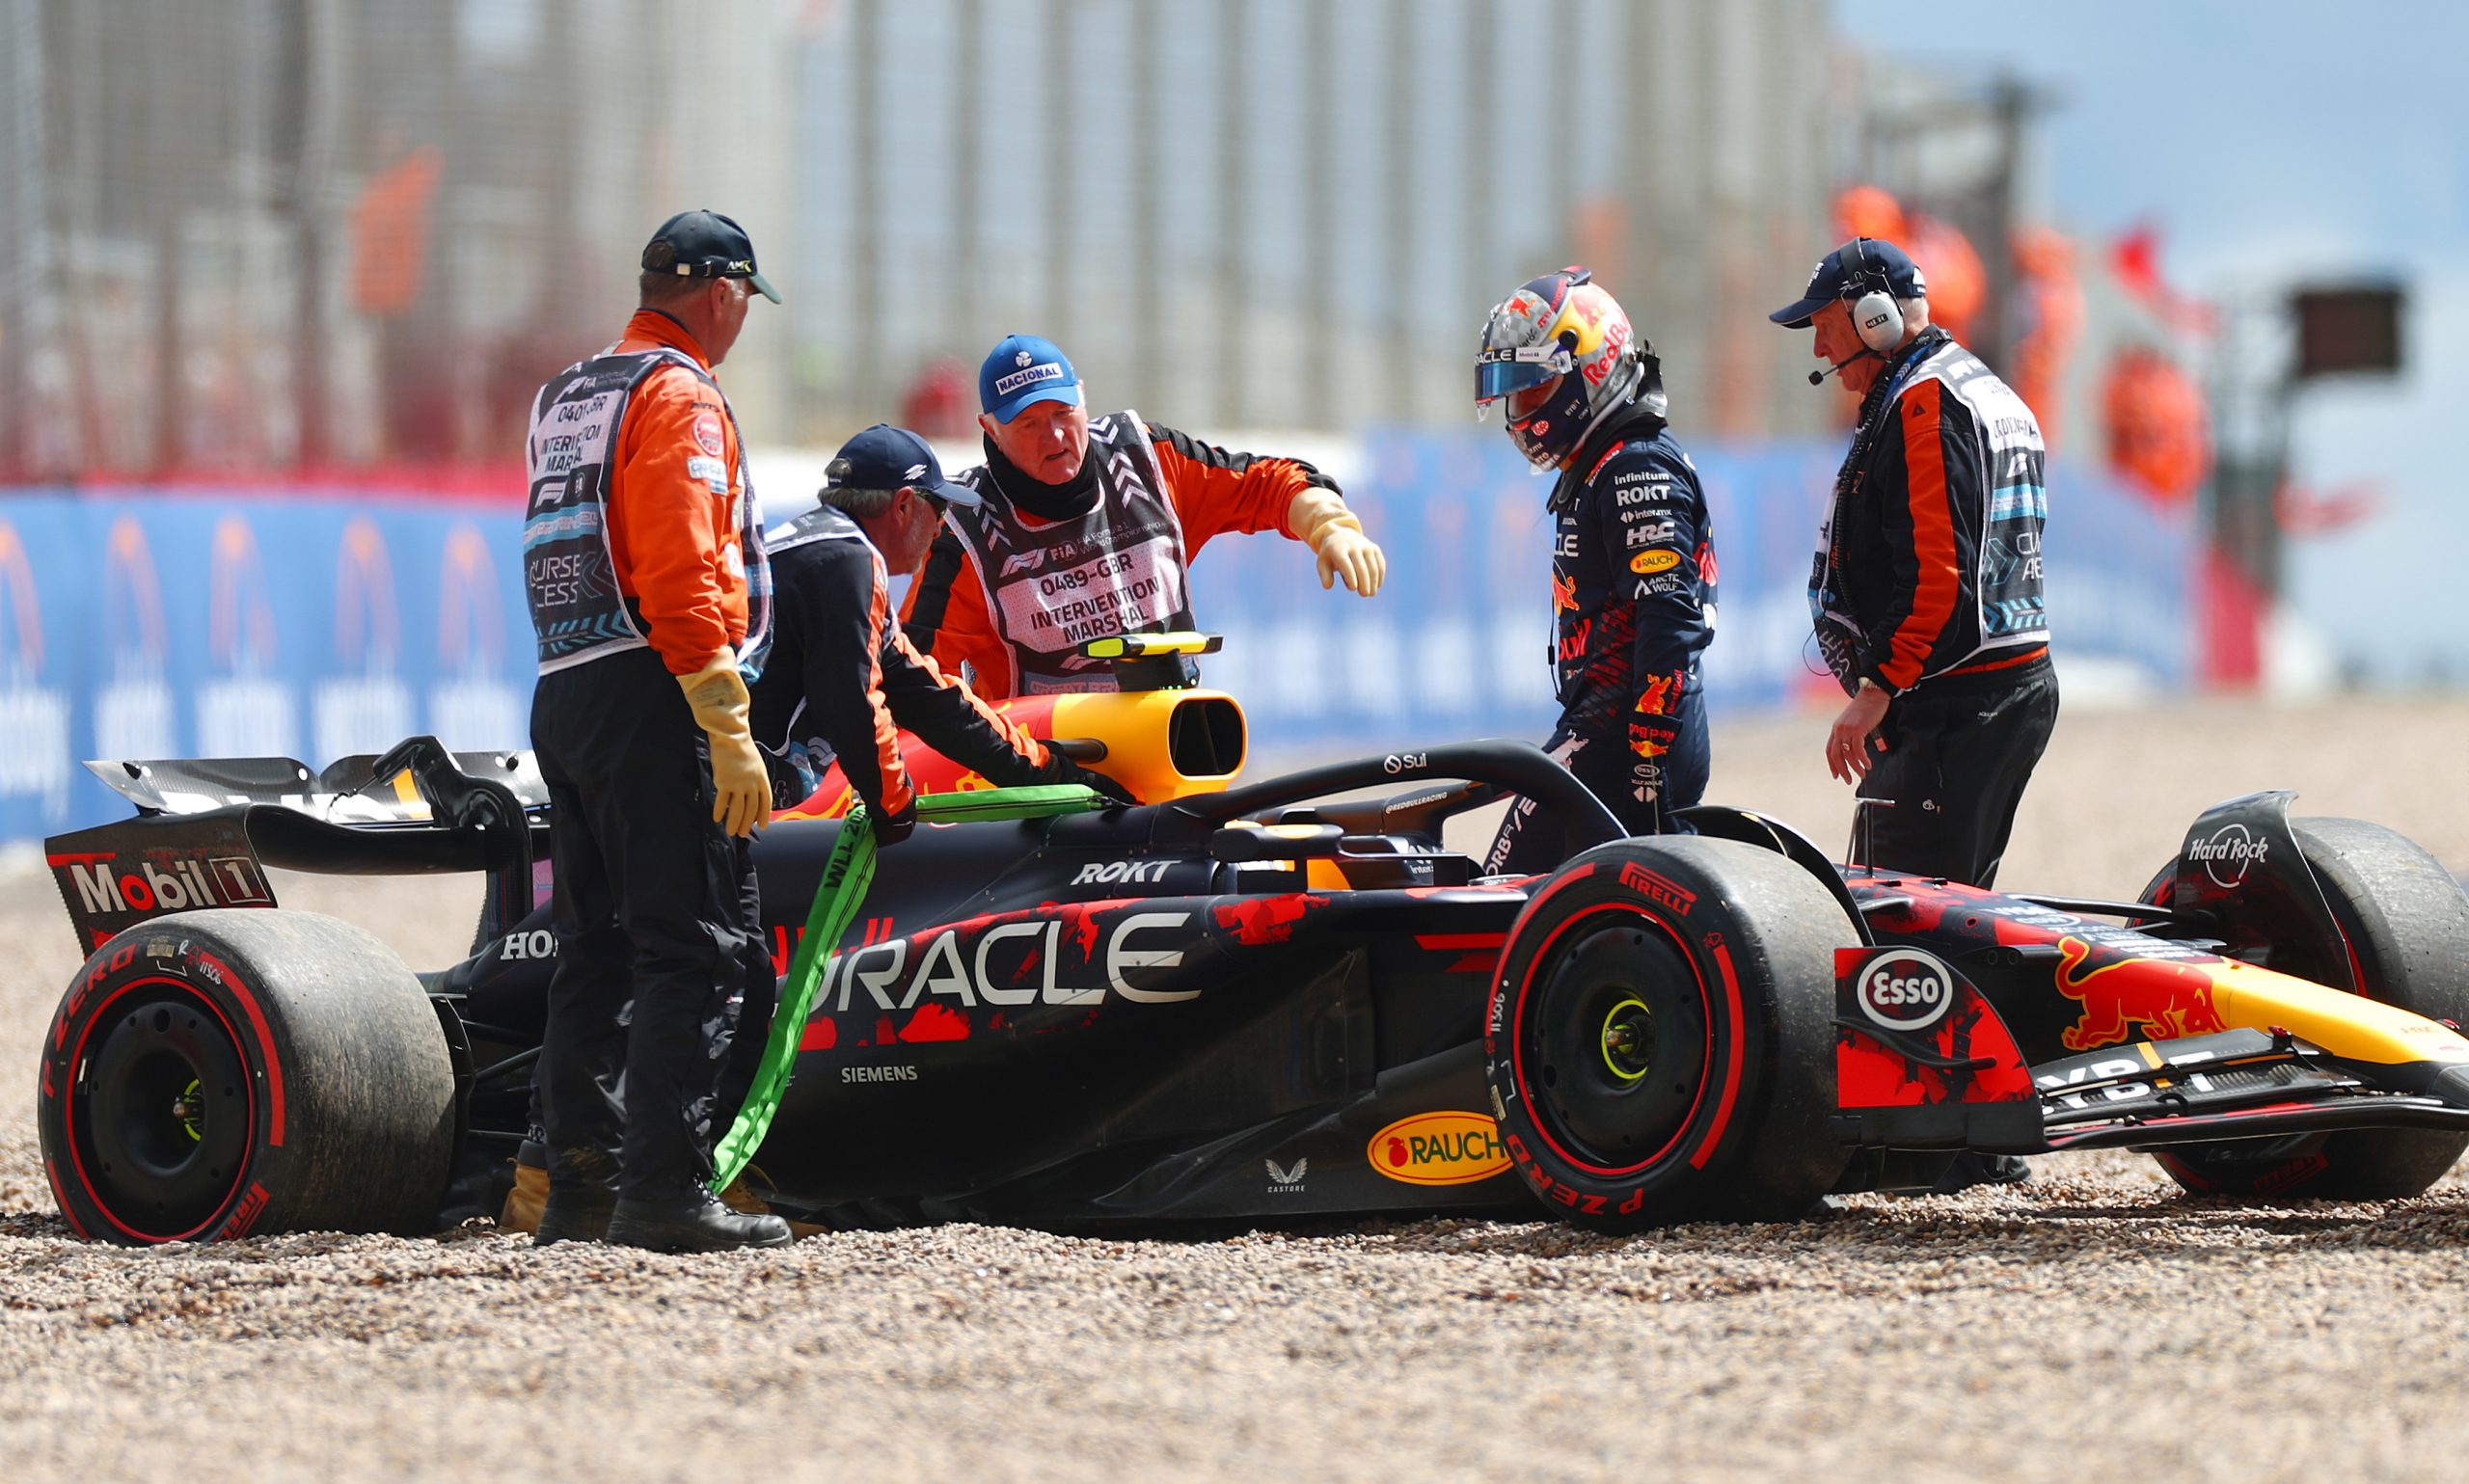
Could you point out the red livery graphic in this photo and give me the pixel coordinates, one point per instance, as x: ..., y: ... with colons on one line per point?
x: 1971, y: 1057
x: 1266, y: 919
x: 2169, y: 999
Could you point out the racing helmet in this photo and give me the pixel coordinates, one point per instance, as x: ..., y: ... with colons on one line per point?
x: 1561, y: 352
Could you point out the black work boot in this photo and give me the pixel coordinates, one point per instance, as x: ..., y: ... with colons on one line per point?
x: 580, y: 1196
x: 575, y: 1214
x: 696, y: 1223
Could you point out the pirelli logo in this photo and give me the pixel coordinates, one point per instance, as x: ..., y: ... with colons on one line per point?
x: 1658, y: 888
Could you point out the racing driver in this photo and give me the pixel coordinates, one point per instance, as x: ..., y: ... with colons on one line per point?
x: 1086, y: 527
x: 1632, y: 558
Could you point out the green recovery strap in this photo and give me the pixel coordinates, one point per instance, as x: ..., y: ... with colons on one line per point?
x: 846, y: 876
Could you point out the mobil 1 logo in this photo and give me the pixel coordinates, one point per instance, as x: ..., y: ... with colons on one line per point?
x: 1905, y: 989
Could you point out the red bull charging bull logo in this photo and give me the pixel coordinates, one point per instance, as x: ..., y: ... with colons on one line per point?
x: 2168, y: 999
x: 1661, y: 693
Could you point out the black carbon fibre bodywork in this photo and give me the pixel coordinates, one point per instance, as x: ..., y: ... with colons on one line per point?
x: 1169, y: 1013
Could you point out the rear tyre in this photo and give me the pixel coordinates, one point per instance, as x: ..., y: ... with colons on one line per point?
x: 1661, y: 1044
x: 2407, y: 922
x: 219, y: 1073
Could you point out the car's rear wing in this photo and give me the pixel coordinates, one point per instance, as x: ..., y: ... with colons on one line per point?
x: 206, y: 829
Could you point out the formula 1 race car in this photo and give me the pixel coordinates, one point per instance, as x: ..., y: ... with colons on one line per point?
x: 1262, y: 1001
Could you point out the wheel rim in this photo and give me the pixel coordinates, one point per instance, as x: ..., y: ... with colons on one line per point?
x: 1615, y: 1044
x: 167, y: 1113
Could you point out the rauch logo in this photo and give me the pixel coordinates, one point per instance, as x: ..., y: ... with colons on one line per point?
x: 1449, y: 1147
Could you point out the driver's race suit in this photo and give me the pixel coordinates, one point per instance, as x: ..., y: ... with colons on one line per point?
x: 1633, y: 603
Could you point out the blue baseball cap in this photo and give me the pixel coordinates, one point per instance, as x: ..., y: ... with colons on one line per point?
x: 1023, y: 369
x: 1850, y: 271
x: 885, y: 457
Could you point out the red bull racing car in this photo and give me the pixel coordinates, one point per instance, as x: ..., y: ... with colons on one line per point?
x: 1261, y: 1000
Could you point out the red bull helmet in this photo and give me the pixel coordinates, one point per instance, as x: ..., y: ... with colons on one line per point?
x: 1560, y: 351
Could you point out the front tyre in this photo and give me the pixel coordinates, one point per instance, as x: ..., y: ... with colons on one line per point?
x: 1659, y: 1042
x: 217, y: 1073
x: 2407, y: 921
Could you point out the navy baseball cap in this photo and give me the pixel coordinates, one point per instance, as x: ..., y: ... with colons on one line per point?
x: 885, y: 457
x: 1837, y: 270
x: 705, y: 245
x: 1023, y: 369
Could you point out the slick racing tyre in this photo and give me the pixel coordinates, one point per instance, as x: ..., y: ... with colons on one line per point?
x: 1660, y: 1043
x: 213, y: 1074
x: 2407, y: 922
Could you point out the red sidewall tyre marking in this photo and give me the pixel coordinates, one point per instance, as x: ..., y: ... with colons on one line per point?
x: 1732, y: 1053
x: 272, y: 1064
x: 68, y: 1111
x: 1517, y: 1042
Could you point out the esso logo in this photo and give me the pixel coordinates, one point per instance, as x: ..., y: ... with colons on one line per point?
x: 1905, y: 990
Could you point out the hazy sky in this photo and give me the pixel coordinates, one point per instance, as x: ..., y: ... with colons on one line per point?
x: 2273, y: 140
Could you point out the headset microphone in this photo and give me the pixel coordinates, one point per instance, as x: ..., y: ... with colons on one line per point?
x: 1818, y: 378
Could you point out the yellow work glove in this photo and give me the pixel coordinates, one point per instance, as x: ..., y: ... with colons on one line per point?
x: 740, y: 786
x: 1320, y: 519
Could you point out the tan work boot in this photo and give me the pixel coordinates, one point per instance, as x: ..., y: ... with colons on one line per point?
x: 527, y: 1201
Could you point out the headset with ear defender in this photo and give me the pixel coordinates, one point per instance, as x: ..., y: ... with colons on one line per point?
x: 1875, y: 314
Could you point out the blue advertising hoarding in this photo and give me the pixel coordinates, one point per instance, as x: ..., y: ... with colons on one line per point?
x: 178, y: 626
x: 312, y: 626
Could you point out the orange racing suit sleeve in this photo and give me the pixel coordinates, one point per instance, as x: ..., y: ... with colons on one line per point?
x: 1215, y: 491
x: 1917, y: 484
x: 672, y: 518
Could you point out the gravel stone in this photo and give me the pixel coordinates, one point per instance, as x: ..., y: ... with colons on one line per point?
x: 2091, y: 1322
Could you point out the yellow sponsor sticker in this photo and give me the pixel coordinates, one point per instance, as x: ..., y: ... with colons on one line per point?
x: 1648, y: 563
x: 1439, y: 1148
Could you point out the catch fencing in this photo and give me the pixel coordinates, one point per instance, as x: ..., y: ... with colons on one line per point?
x: 176, y: 623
